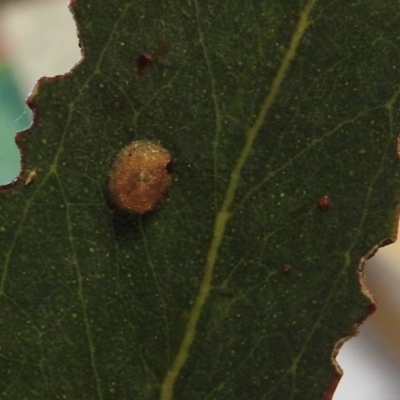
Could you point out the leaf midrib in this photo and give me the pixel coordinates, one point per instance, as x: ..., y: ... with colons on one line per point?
x: 224, y: 214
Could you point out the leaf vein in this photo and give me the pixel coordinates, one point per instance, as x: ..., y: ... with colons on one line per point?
x: 224, y: 214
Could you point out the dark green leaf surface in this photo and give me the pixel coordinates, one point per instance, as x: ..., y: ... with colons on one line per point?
x: 266, y: 106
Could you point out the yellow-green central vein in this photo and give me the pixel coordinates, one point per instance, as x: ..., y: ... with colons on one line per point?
x: 222, y: 217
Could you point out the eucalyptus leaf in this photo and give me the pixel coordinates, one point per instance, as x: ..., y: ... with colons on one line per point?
x: 239, y: 283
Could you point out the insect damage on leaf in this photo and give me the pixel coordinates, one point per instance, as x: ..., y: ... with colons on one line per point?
x: 145, y: 60
x: 139, y: 177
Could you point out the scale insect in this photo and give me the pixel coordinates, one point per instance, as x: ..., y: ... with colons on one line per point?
x: 140, y: 176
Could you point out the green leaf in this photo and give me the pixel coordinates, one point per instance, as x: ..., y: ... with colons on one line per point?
x: 266, y: 107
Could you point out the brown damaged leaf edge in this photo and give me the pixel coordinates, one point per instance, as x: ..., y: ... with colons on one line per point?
x: 30, y: 101
x: 20, y: 136
x: 364, y: 289
x: 19, y: 139
x: 329, y: 393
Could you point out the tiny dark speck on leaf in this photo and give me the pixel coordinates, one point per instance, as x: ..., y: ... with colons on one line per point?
x: 286, y: 268
x: 145, y: 60
x: 225, y: 293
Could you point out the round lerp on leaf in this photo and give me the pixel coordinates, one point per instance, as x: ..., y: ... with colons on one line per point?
x: 139, y: 177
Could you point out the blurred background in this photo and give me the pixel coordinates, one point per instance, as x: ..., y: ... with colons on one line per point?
x: 38, y: 38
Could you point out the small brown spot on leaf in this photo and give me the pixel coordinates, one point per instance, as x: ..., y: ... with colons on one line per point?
x: 286, y: 268
x: 145, y: 60
x: 225, y: 293
x: 324, y: 204
x: 139, y: 177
